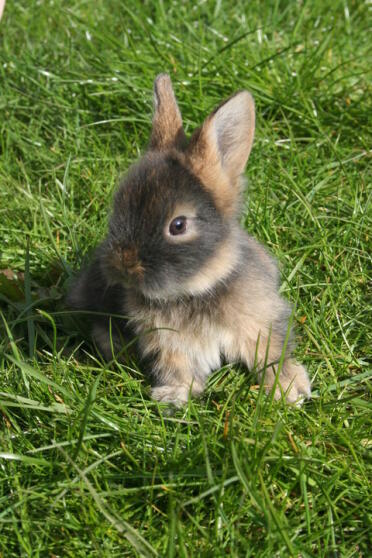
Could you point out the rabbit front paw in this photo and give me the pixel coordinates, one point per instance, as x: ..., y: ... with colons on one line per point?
x: 177, y: 395
x: 293, y: 383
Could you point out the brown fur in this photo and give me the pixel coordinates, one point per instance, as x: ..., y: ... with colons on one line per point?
x: 167, y: 127
x: 127, y: 258
x: 201, y: 159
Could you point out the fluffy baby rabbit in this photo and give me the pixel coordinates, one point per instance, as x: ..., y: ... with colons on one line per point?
x: 195, y: 288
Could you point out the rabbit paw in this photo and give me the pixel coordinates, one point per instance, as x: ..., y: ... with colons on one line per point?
x: 293, y: 383
x: 177, y: 395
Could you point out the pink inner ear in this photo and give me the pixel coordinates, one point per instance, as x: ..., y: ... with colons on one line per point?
x: 233, y: 130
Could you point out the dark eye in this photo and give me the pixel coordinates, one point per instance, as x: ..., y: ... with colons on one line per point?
x: 178, y: 225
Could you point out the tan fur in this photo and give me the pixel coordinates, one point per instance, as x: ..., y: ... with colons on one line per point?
x: 293, y: 381
x: 203, y: 163
x: 189, y: 349
x: 219, y: 150
x: 221, y: 265
x: 167, y: 129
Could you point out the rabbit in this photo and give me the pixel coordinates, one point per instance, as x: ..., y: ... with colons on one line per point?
x: 176, y: 270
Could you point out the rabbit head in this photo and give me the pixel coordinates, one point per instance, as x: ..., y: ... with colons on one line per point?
x: 171, y: 232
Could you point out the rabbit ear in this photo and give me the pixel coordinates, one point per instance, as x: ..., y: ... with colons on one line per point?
x: 167, y: 130
x: 219, y: 150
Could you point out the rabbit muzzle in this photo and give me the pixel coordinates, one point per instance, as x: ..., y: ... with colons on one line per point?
x: 124, y: 265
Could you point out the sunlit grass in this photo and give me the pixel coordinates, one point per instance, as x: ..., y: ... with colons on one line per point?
x: 90, y: 466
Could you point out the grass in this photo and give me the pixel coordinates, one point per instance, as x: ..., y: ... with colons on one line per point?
x: 90, y: 466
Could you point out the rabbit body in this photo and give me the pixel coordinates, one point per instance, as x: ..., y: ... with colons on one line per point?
x: 193, y: 286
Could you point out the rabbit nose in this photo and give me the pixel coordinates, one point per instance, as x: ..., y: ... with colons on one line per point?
x: 131, y: 261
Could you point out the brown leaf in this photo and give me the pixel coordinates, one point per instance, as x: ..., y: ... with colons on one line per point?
x: 11, y: 284
x: 56, y: 396
x: 226, y: 426
x: 8, y: 424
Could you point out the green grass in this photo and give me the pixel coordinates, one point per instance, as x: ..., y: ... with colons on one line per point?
x: 89, y: 465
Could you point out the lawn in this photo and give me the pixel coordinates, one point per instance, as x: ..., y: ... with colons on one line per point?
x: 90, y: 465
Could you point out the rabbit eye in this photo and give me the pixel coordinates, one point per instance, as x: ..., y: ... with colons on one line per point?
x: 178, y: 225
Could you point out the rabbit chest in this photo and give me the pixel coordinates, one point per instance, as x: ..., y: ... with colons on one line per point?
x: 189, y: 331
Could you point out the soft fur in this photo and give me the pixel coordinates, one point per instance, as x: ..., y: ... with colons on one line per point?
x: 198, y: 297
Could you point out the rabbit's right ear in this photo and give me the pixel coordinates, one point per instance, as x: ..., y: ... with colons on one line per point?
x: 167, y: 130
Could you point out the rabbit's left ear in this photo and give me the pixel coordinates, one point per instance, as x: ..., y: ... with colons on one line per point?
x: 219, y: 150
x: 167, y: 130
